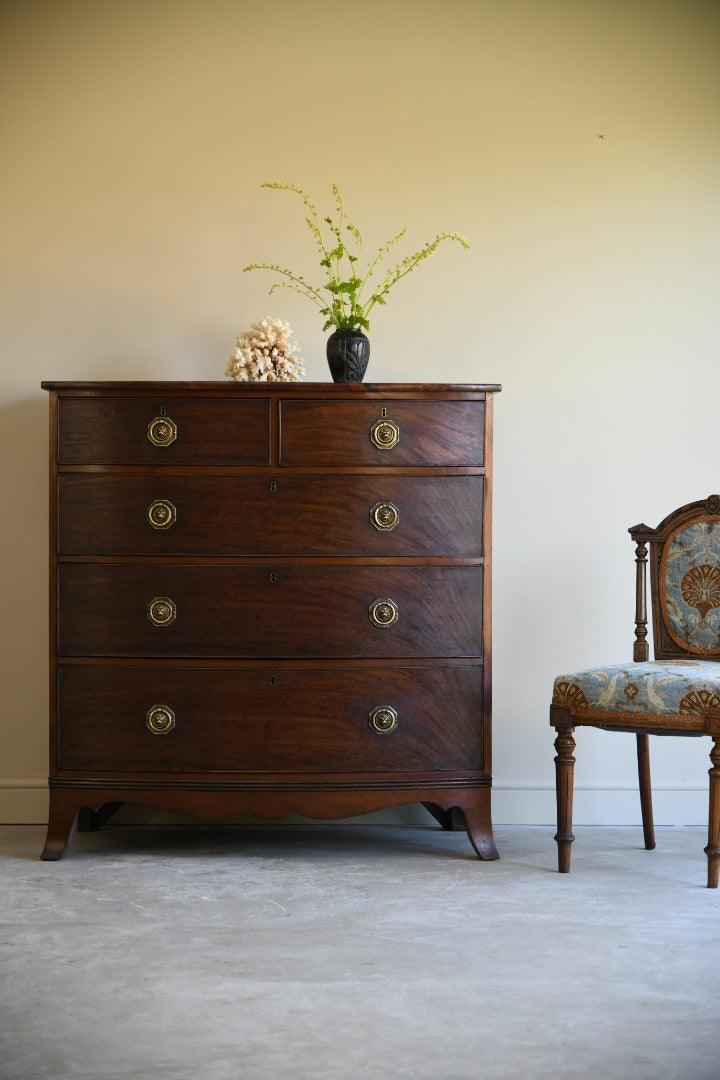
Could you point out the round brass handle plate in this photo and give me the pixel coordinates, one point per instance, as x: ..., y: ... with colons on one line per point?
x: 383, y: 719
x: 161, y: 611
x: 384, y: 516
x: 162, y: 431
x: 161, y: 514
x: 383, y: 612
x: 384, y: 434
x: 160, y: 719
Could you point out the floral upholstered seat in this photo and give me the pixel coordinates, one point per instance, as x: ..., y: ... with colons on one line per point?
x: 672, y: 694
x: 678, y: 692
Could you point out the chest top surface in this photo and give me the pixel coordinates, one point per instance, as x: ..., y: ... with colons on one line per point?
x: 263, y: 389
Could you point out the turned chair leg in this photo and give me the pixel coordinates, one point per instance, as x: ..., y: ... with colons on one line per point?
x: 564, y: 770
x: 643, y: 757
x: 713, y: 846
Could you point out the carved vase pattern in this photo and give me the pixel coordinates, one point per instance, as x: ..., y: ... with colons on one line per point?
x: 348, y: 352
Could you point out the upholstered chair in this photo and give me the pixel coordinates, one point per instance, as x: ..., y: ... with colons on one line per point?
x: 677, y: 693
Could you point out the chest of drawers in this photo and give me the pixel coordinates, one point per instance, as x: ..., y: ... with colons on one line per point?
x: 271, y: 598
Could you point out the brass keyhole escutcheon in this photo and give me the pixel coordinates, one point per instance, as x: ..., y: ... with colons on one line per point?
x: 161, y: 514
x: 384, y: 434
x: 162, y: 431
x: 383, y: 612
x: 160, y: 719
x: 383, y: 719
x: 384, y: 516
x: 161, y: 611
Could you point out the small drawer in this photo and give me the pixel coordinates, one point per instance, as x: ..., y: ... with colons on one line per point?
x: 285, y: 514
x: 163, y: 431
x: 269, y: 719
x: 383, y: 433
x: 115, y: 609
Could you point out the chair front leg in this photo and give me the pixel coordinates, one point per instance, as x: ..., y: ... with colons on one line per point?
x: 713, y: 846
x: 564, y: 775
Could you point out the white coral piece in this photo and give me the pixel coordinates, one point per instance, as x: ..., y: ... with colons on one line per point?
x: 266, y: 353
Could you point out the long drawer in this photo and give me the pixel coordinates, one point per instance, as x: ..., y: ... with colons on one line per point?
x: 146, y: 609
x: 373, y: 433
x: 161, y: 430
x: 171, y: 514
x: 187, y: 719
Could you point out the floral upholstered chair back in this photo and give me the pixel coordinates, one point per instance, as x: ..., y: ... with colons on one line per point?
x: 685, y: 576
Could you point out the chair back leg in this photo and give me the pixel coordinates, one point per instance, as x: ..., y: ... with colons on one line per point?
x: 564, y: 776
x: 643, y: 757
x: 713, y: 846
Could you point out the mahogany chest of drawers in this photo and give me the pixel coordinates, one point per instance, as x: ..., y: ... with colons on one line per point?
x: 271, y: 598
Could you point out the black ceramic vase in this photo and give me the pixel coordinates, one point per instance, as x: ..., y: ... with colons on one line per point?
x: 348, y: 352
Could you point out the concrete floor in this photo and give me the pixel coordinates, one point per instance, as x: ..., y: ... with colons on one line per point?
x: 345, y: 952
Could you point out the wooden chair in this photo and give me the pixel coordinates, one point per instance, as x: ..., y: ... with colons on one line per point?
x: 678, y: 693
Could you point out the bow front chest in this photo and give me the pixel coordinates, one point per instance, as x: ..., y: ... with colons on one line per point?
x: 271, y: 598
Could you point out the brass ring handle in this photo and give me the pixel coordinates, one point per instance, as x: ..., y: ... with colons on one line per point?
x: 384, y: 516
x: 161, y: 611
x: 383, y: 612
x: 162, y: 431
x: 384, y: 434
x: 161, y: 514
x: 383, y: 719
x: 160, y: 719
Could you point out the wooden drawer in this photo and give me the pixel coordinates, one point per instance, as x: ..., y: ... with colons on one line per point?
x: 287, y: 718
x: 209, y: 431
x: 266, y: 611
x: 275, y: 515
x: 428, y: 432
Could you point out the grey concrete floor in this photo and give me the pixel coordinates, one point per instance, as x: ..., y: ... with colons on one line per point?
x: 353, y: 951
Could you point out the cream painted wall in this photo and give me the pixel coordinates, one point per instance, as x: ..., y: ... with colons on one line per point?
x: 575, y: 142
